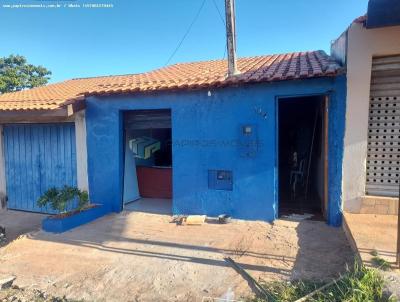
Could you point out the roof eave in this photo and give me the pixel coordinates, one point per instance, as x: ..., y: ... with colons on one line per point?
x: 33, y: 115
x: 217, y: 84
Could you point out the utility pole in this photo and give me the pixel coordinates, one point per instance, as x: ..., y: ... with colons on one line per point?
x: 231, y: 37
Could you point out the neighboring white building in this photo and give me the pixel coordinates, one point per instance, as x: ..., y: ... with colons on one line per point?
x: 370, y: 50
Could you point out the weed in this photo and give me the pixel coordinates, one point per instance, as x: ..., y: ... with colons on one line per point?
x: 380, y: 263
x: 359, y: 284
x: 289, y: 291
x: 374, y: 253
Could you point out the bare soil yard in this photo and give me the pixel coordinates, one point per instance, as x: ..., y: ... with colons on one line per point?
x: 136, y: 256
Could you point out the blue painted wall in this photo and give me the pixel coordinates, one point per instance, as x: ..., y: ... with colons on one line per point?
x: 383, y: 13
x: 206, y: 132
x: 337, y: 115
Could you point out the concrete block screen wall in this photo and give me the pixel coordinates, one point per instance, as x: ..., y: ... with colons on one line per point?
x: 207, y: 129
x: 363, y: 45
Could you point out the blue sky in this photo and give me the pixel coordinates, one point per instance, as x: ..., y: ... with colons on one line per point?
x: 140, y: 35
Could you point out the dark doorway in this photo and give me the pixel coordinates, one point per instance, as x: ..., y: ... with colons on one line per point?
x: 302, y: 162
x: 148, y: 155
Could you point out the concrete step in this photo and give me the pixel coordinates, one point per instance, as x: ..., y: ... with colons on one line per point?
x: 378, y: 205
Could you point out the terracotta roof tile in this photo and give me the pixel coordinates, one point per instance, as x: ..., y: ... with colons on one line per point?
x: 361, y: 19
x: 175, y: 77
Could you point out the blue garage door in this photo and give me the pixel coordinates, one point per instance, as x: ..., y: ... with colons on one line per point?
x: 38, y: 157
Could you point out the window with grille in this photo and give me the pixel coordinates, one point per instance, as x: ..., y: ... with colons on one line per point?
x: 383, y: 155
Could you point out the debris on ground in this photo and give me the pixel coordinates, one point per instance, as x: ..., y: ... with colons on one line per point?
x: 6, y: 282
x: 199, y: 219
x: 195, y: 219
x: 298, y: 217
x: 178, y: 219
x: 254, y: 285
x: 3, y: 238
x: 17, y: 294
x: 223, y: 218
x: 392, y: 282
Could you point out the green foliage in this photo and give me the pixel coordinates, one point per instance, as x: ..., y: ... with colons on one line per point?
x: 360, y: 284
x: 60, y: 199
x: 16, y: 74
x: 374, y: 253
x: 289, y: 291
x: 380, y: 263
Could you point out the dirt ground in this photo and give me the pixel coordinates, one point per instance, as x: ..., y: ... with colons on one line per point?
x: 136, y: 256
x: 18, y: 223
x: 16, y: 294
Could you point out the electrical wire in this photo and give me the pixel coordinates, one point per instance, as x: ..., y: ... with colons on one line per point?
x: 223, y: 23
x: 186, y: 33
x: 219, y: 12
x: 223, y: 57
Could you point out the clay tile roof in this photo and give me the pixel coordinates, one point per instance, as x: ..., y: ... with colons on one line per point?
x: 361, y: 19
x: 195, y: 75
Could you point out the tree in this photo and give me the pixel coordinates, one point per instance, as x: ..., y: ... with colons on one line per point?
x: 16, y: 74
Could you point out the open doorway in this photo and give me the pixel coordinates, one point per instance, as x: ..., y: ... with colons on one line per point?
x: 302, y: 162
x: 148, y: 161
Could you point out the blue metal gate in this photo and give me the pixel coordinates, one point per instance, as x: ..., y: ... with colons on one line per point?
x: 38, y: 157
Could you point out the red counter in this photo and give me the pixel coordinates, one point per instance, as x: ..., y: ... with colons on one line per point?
x: 154, y: 182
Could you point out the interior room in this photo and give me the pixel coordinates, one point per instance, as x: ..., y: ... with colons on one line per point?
x: 148, y: 160
x: 301, y: 155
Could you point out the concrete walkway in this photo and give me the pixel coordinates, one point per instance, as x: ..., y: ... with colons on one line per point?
x: 372, y: 232
x: 150, y: 205
x: 18, y: 223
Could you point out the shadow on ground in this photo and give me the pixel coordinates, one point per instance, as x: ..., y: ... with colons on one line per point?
x: 135, y: 255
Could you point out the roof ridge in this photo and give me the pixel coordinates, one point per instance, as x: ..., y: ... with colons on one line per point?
x: 192, y: 62
x: 247, y: 57
x: 178, y: 76
x: 104, y: 76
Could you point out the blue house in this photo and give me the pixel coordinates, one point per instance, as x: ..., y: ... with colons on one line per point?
x: 264, y: 143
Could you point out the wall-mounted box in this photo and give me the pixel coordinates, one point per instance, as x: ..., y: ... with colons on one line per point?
x: 220, y: 180
x: 248, y: 140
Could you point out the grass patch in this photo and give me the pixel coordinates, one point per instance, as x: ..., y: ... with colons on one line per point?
x: 288, y: 291
x: 359, y: 284
x: 380, y: 263
x: 374, y: 253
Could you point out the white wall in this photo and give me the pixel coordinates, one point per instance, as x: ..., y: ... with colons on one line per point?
x: 363, y: 44
x: 339, y: 48
x: 81, y: 151
x: 2, y: 171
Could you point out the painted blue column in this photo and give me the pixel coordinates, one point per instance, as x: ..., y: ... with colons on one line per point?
x: 337, y: 116
x: 104, y: 145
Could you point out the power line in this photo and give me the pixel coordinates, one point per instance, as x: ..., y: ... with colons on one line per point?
x: 219, y: 12
x: 187, y: 32
x: 223, y: 23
